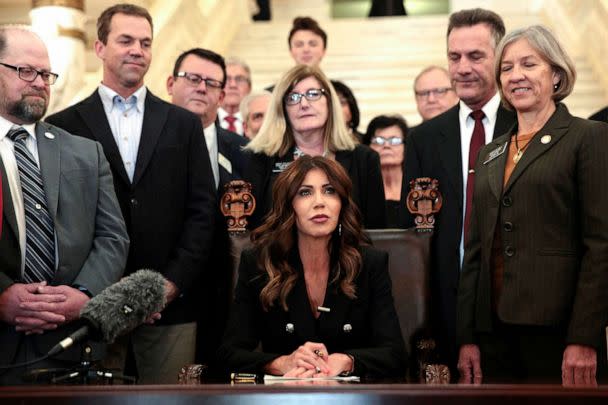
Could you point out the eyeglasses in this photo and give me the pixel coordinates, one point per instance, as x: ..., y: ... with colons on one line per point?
x: 392, y: 141
x: 29, y: 74
x: 311, y: 95
x: 195, y: 80
x: 437, y: 92
x: 238, y: 79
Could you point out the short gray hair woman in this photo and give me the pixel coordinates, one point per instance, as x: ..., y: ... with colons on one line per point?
x: 532, y: 296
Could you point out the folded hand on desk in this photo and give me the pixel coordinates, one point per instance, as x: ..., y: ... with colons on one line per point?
x: 310, y: 360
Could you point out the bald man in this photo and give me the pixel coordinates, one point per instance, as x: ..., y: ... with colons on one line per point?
x: 63, y: 236
x: 434, y: 92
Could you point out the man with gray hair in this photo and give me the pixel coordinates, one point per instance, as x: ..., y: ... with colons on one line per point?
x: 434, y: 92
x: 445, y: 148
x: 238, y: 85
x: 253, y: 109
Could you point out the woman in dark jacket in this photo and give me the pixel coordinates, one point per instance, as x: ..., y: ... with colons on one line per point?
x: 304, y: 118
x: 532, y: 302
x: 310, y: 291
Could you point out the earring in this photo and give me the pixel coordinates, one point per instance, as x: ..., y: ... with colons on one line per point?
x: 339, y: 229
x: 555, y: 86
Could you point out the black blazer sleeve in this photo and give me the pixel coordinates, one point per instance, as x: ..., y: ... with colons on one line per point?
x: 385, y: 355
x: 237, y: 353
x: 192, y: 248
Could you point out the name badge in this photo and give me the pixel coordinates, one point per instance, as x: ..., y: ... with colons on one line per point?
x: 280, y: 166
x: 496, y: 153
x: 224, y: 162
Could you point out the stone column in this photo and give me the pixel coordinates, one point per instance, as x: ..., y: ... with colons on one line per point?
x: 61, y: 23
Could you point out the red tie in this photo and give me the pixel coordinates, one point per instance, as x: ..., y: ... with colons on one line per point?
x: 231, y: 119
x: 477, y: 141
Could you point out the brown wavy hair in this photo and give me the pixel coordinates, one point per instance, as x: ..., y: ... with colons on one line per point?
x: 277, y: 236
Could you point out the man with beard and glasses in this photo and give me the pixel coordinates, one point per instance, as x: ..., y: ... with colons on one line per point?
x: 63, y: 236
x: 164, y: 183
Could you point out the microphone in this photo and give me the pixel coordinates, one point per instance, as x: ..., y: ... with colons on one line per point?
x: 118, y: 309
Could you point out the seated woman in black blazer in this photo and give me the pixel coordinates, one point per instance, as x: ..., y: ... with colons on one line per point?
x: 310, y: 291
x: 305, y: 118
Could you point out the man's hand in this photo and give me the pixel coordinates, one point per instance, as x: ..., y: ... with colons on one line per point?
x: 579, y: 366
x: 13, y: 312
x: 68, y: 308
x: 171, y: 291
x: 469, y: 364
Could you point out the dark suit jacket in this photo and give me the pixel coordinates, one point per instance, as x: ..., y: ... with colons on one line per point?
x: 375, y: 340
x: 552, y: 219
x: 169, y: 208
x: 362, y: 165
x: 601, y: 115
x: 91, y: 237
x: 216, y: 285
x: 433, y: 150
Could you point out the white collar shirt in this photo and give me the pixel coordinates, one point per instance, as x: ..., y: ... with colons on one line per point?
x: 211, y: 141
x: 467, y: 124
x: 126, y: 121
x: 221, y: 116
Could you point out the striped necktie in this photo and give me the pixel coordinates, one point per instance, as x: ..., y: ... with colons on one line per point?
x: 39, y: 231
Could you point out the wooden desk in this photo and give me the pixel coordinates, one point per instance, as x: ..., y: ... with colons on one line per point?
x: 335, y: 395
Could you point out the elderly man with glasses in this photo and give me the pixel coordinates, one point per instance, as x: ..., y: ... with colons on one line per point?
x: 237, y: 87
x: 434, y: 92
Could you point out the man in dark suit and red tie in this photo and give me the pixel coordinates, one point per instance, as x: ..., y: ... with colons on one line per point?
x: 163, y: 180
x: 64, y: 239
x: 445, y: 148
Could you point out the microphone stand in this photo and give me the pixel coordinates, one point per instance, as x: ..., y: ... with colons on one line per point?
x: 82, y: 374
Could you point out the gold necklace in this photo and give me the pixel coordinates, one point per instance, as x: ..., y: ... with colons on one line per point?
x: 520, y: 151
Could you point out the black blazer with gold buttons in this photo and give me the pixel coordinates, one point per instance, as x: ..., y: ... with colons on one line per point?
x: 366, y: 328
x: 553, y: 222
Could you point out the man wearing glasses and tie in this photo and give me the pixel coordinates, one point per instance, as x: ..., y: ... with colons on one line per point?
x: 64, y: 239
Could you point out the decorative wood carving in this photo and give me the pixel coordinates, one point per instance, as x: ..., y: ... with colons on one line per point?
x: 237, y: 204
x: 424, y: 201
x: 192, y: 374
x: 436, y: 374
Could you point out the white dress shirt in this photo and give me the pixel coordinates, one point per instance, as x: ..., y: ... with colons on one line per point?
x: 222, y: 114
x: 211, y: 141
x: 467, y: 124
x: 125, y: 125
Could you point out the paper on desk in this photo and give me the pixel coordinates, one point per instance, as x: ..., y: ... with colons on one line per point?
x: 276, y: 378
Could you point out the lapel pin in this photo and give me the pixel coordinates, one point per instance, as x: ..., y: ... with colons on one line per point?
x: 49, y: 135
x: 347, y: 328
x: 545, y: 139
x: 289, y: 328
